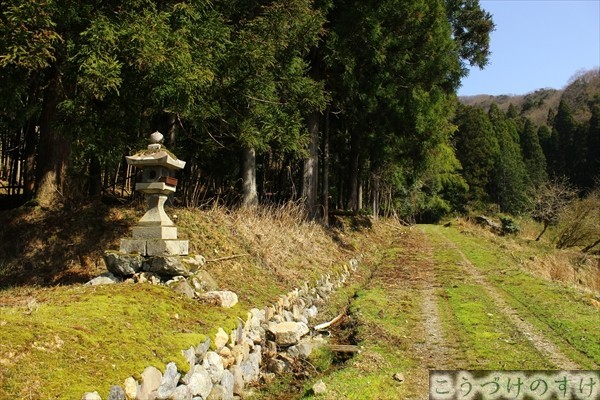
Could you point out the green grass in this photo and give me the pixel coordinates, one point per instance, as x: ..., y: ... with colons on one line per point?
x: 487, y: 338
x: 559, y: 311
x: 80, y: 339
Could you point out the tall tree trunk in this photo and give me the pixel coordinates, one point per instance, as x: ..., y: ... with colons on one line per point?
x: 311, y: 167
x: 29, y: 156
x: 53, y: 151
x: 325, y: 178
x: 375, y: 195
x: 95, y: 177
x: 249, y: 193
x: 172, y: 129
x: 354, y: 170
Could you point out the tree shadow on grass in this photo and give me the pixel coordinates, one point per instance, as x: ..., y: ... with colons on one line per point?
x: 60, y: 246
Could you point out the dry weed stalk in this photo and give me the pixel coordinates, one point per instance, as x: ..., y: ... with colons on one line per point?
x: 281, y: 237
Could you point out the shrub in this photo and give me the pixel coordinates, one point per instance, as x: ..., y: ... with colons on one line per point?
x: 509, y: 226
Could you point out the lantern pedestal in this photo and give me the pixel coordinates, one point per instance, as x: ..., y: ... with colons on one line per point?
x: 155, y: 234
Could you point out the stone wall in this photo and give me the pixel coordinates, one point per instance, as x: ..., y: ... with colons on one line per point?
x: 260, y: 347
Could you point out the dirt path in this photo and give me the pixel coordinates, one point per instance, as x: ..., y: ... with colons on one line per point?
x: 537, y: 339
x: 435, y: 352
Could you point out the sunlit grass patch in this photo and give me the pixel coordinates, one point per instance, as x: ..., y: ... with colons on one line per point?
x: 77, y: 339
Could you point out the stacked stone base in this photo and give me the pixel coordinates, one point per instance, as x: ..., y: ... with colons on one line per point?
x: 155, y: 247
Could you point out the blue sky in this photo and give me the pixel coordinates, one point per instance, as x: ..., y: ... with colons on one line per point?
x: 537, y: 44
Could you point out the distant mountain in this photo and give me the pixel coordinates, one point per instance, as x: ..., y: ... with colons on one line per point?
x: 536, y: 105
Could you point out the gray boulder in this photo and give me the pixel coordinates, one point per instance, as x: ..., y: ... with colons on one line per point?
x: 183, y: 287
x: 181, y: 393
x: 169, y: 382
x: 203, y: 281
x: 214, y: 365
x: 123, y: 264
x: 288, y: 333
x: 105, y: 279
x: 166, y: 265
x: 116, y: 393
x: 199, y: 381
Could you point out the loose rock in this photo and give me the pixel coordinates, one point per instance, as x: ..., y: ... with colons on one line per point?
x: 319, y: 388
x: 91, y: 396
x: 184, y: 288
x: 199, y: 382
x: 169, y: 382
x: 288, y: 333
x: 116, y: 393
x: 214, y: 365
x: 222, y: 298
x: 151, y: 380
x: 123, y: 264
x: 104, y: 279
x: 131, y: 388
x: 166, y: 265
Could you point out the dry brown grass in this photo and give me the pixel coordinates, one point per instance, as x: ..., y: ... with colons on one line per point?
x: 541, y: 258
x: 570, y: 267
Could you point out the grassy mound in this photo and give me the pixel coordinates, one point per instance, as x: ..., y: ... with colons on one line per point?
x: 61, y: 338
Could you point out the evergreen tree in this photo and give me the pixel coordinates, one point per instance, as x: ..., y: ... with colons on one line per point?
x: 477, y: 149
x: 510, y: 177
x: 593, y: 138
x: 564, y: 132
x: 533, y: 155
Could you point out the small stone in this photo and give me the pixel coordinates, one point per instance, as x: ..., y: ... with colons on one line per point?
x: 240, y: 352
x: 238, y: 380
x: 156, y: 137
x: 217, y: 393
x: 277, y: 366
x: 169, y: 382
x: 190, y: 356
x: 222, y: 298
x: 151, y: 380
x: 104, y: 279
x: 202, y: 348
x: 184, y: 288
x: 131, y: 388
x: 91, y: 396
x: 116, y: 393
x: 250, y: 370
x: 301, y: 350
x: 288, y: 333
x: 199, y: 381
x: 269, y: 313
x: 221, y: 339
x: 214, y: 365
x: 319, y: 388
x: 227, y: 382
x: 399, y: 376
x: 181, y: 392
x: 205, y: 281
x: 144, y: 277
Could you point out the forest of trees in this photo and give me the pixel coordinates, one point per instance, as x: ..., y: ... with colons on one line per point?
x: 340, y: 104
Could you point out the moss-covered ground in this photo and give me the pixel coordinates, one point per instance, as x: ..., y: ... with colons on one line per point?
x: 410, y: 307
x: 60, y: 338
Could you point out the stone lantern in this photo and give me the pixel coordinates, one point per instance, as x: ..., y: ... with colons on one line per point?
x: 155, y: 234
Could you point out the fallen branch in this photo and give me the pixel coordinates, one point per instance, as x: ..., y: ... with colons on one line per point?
x: 228, y: 257
x: 343, y: 348
x: 326, y: 325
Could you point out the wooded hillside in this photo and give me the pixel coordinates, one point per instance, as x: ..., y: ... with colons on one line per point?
x: 339, y: 104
